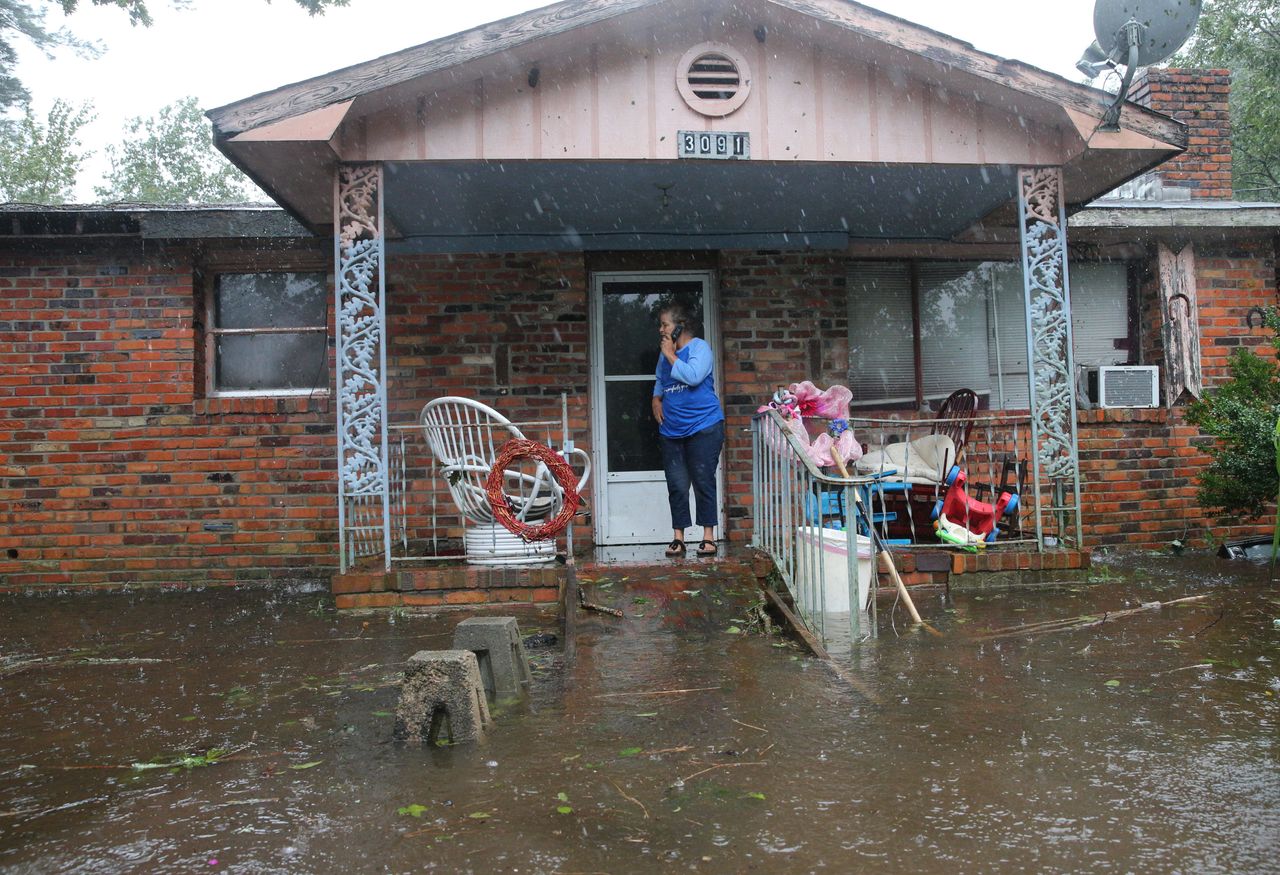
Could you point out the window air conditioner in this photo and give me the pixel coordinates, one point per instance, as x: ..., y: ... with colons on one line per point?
x: 1125, y: 386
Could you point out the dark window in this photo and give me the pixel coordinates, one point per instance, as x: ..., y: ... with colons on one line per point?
x: 920, y: 330
x: 267, y: 334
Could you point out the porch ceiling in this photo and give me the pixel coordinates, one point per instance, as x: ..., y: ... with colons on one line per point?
x: 560, y: 205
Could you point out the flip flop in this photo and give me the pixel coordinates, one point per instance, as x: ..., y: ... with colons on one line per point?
x: 707, y: 548
x: 675, y: 550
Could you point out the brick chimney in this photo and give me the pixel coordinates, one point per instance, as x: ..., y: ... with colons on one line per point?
x: 1198, y: 99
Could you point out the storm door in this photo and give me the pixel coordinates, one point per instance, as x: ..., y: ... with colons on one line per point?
x: 631, y: 492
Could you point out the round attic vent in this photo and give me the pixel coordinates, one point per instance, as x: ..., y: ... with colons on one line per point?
x: 713, y: 79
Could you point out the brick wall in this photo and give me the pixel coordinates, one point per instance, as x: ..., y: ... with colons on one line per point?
x: 112, y: 470
x: 1198, y: 99
x: 115, y: 471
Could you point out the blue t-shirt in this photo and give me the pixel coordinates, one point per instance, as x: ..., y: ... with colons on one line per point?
x: 688, y: 390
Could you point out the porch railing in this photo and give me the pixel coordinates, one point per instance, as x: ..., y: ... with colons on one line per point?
x: 996, y: 457
x: 794, y: 502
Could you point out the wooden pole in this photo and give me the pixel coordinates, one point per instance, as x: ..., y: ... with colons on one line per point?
x: 888, y: 557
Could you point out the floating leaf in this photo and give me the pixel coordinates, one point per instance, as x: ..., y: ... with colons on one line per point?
x: 692, y: 592
x: 648, y: 714
x: 562, y: 796
x: 311, y: 765
x: 188, y: 718
x: 629, y: 751
x: 754, y: 795
x: 733, y: 630
x: 570, y: 759
x: 1112, y: 683
x: 564, y: 809
x: 640, y: 600
x: 414, y: 810
x: 480, y: 815
x: 383, y: 714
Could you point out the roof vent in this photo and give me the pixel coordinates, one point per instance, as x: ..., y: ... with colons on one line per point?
x: 713, y: 79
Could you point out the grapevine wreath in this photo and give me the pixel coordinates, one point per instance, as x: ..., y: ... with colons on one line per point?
x: 504, y: 510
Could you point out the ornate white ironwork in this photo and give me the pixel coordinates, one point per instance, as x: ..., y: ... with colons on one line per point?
x: 1042, y: 231
x: 361, y: 350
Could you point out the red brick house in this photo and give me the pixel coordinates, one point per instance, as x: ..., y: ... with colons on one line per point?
x: 173, y: 378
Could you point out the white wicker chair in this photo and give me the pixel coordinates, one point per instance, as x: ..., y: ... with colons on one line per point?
x: 465, y: 437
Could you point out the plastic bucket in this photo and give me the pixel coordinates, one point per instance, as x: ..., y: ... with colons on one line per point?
x: 835, y: 565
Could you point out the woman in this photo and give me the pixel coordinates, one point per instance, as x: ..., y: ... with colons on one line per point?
x: 690, y: 427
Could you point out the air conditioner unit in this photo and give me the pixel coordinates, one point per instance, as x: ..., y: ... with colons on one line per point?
x: 1125, y: 386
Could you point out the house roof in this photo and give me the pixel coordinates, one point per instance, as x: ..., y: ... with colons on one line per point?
x: 358, y: 80
x: 444, y: 116
x: 149, y: 221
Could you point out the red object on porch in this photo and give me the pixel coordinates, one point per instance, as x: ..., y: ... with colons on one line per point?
x: 978, y: 517
x: 504, y: 511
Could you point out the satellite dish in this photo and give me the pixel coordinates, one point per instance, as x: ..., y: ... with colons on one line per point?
x: 1162, y: 27
x: 1136, y: 33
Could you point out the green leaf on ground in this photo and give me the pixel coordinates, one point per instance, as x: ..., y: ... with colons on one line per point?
x: 1112, y: 683
x: 629, y: 751
x: 756, y: 795
x: 480, y: 815
x: 734, y: 630
x: 562, y: 796
x: 383, y: 714
x: 564, y: 809
x: 414, y: 810
x: 648, y: 714
x: 298, y: 767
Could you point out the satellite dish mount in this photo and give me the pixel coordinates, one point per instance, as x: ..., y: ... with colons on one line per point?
x: 1135, y: 33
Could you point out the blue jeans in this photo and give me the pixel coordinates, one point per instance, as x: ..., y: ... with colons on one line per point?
x: 693, y: 459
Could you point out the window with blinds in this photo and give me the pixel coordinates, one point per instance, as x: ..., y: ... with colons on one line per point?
x: 971, y: 323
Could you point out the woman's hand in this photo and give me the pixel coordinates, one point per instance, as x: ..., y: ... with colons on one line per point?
x: 668, y: 348
x: 657, y: 408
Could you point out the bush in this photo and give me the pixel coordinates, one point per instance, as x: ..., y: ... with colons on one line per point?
x: 1241, y: 415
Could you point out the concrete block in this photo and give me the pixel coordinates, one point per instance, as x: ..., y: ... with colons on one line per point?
x: 495, y: 641
x: 442, y: 698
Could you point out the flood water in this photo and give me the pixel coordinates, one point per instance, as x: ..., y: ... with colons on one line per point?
x: 681, y: 738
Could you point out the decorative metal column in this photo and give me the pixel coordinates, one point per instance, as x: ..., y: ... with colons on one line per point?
x: 364, y: 503
x: 1042, y: 231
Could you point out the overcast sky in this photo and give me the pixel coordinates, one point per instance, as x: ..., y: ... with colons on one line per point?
x: 220, y: 51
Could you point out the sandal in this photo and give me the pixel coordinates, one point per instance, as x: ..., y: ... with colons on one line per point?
x: 707, y: 548
x: 675, y: 550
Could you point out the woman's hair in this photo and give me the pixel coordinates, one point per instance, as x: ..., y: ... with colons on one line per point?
x: 680, y: 315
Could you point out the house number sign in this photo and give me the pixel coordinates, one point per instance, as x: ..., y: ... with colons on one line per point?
x: 715, y: 144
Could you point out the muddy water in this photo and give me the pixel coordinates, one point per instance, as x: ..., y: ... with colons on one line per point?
x: 1146, y: 744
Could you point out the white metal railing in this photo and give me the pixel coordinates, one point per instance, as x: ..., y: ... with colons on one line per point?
x: 794, y: 505
x: 416, y: 496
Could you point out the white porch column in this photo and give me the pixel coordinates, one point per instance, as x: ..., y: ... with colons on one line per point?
x: 364, y: 499
x: 1042, y: 232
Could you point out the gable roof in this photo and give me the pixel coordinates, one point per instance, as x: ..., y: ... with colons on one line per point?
x: 403, y: 66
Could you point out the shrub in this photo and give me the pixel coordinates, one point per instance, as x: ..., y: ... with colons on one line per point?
x: 1241, y: 415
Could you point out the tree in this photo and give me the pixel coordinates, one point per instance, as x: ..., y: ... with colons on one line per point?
x: 170, y: 159
x: 39, y: 161
x: 24, y: 20
x: 1244, y: 37
x: 1241, y: 478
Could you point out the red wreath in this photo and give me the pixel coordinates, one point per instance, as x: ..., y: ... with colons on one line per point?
x: 504, y: 511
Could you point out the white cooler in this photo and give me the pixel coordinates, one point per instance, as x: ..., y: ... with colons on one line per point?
x: 835, y: 566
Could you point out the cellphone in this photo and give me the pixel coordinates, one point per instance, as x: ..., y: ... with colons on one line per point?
x: 675, y: 333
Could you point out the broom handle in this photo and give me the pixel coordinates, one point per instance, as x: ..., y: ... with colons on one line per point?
x: 888, y: 557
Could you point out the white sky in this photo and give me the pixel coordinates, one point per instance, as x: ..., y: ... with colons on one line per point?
x: 220, y: 51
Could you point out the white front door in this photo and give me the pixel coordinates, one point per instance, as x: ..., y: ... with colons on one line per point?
x: 631, y: 492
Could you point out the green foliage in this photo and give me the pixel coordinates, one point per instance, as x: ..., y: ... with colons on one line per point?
x: 1244, y: 36
x: 170, y: 159
x: 1242, y: 479
x: 39, y: 161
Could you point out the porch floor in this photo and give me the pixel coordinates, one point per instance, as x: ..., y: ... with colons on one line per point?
x: 454, y: 582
